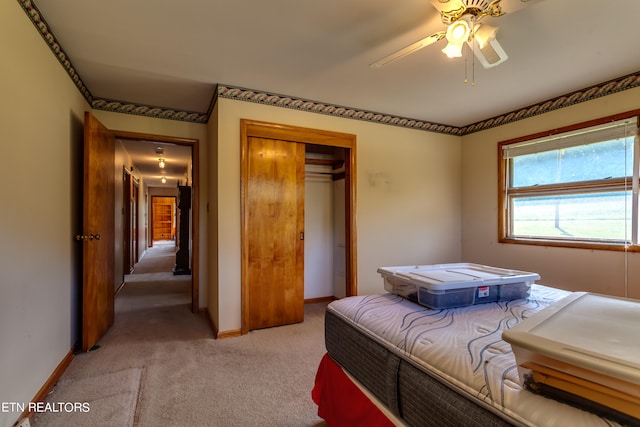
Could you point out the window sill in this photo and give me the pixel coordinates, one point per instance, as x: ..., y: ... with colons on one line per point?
x: 570, y: 244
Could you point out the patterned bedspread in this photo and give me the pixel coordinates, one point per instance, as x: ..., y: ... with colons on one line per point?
x: 463, y: 347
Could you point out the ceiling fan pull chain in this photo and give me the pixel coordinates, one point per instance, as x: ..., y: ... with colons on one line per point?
x: 466, y: 61
x: 473, y: 51
x: 473, y: 55
x: 473, y: 63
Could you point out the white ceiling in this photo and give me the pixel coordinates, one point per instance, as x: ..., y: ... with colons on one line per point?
x: 171, y: 54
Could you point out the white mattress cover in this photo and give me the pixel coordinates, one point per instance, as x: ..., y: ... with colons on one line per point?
x: 463, y: 347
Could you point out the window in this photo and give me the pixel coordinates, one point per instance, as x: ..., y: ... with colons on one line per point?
x: 575, y: 187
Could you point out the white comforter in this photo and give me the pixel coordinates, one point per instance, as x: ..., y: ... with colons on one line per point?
x: 463, y: 346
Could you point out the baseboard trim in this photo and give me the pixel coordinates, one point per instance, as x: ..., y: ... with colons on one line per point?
x: 217, y: 334
x: 237, y: 332
x: 120, y: 287
x: 321, y: 299
x: 229, y: 334
x: 50, y: 383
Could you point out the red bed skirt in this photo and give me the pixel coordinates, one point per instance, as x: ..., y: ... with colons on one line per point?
x: 340, y: 402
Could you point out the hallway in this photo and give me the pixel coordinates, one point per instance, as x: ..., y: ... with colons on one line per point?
x: 153, y: 284
x: 159, y: 258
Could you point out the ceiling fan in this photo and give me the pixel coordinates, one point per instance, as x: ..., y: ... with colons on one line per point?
x: 462, y: 19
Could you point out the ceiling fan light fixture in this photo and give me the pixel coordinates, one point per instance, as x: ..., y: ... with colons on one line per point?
x: 457, y: 33
x: 461, y: 18
x: 491, y: 54
x: 453, y: 50
x: 485, y: 34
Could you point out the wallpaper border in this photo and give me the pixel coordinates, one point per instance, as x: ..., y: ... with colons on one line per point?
x: 261, y: 97
x: 617, y: 85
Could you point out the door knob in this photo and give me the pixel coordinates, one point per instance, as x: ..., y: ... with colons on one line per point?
x: 89, y: 237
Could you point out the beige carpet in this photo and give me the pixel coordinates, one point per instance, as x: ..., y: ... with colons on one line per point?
x: 158, y: 259
x: 160, y: 366
x: 111, y: 399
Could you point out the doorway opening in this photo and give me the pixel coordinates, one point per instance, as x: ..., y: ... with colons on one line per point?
x: 161, y: 168
x: 163, y: 220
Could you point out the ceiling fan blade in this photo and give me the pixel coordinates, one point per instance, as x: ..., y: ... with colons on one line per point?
x: 409, y: 49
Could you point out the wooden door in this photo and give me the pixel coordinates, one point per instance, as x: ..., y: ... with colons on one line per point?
x: 275, y: 232
x: 98, y: 232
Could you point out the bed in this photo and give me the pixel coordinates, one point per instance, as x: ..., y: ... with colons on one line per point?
x: 392, y: 362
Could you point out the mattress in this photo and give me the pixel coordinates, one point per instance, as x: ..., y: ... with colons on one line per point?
x: 444, y: 367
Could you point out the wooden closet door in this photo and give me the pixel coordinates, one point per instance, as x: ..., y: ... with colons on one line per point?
x: 275, y: 232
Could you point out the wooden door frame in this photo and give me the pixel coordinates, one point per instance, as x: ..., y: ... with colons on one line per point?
x: 259, y: 129
x: 126, y: 226
x: 195, y: 187
x: 135, y: 236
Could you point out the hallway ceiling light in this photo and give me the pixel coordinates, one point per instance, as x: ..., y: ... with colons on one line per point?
x: 164, y: 180
x: 161, y: 163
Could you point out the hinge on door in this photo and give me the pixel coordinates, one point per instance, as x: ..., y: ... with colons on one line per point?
x: 302, y: 235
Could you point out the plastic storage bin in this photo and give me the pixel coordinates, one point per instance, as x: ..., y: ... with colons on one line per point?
x: 585, y: 345
x: 456, y: 285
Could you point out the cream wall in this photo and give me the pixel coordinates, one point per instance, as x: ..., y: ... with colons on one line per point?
x: 608, y: 272
x: 41, y: 131
x: 318, y: 235
x: 408, y: 197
